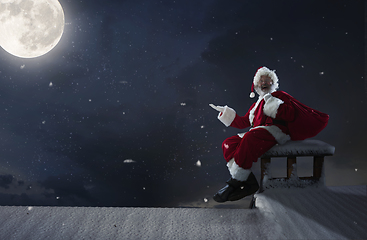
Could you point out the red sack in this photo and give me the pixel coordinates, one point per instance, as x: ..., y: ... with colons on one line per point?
x: 308, y: 122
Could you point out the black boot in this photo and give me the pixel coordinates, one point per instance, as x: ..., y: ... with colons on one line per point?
x: 232, y: 185
x: 250, y: 187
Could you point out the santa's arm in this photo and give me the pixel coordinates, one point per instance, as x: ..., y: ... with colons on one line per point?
x: 241, y: 122
x: 278, y: 108
x: 229, y: 117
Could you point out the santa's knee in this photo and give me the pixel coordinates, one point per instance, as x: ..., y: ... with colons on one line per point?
x: 225, y: 145
x: 231, y: 142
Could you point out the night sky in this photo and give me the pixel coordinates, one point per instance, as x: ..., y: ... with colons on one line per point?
x: 117, y: 113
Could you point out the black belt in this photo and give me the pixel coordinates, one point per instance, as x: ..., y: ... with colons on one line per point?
x: 279, y: 122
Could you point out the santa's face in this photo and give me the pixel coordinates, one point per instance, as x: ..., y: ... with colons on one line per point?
x: 265, y: 84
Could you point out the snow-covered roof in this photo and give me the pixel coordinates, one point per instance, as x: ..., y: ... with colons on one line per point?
x: 310, y: 213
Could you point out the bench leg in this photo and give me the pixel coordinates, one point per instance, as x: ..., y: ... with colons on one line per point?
x: 318, y: 163
x: 291, y: 161
x: 264, y: 163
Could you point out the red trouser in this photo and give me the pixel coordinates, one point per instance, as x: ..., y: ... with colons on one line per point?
x: 248, y: 149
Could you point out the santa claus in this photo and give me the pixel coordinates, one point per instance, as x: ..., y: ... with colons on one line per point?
x: 275, y: 118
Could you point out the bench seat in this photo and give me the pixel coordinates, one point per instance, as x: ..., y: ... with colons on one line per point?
x: 308, y: 147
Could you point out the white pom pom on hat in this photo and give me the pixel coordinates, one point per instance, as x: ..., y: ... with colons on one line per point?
x: 260, y: 72
x: 252, y: 94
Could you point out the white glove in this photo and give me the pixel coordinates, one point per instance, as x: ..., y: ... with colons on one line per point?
x: 267, y: 97
x: 218, y: 108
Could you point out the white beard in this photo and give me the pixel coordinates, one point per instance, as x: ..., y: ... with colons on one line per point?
x: 263, y: 93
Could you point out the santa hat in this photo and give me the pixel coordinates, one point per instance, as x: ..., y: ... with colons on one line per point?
x: 260, y: 72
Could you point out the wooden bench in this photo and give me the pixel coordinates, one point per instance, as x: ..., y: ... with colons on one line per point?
x: 293, y: 149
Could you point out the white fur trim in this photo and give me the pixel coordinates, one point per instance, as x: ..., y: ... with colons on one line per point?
x: 279, y: 136
x: 227, y: 116
x: 252, y: 112
x: 271, y: 106
x: 237, y: 172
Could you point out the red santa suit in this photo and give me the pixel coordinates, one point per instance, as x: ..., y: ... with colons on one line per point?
x: 273, y: 119
x: 268, y: 118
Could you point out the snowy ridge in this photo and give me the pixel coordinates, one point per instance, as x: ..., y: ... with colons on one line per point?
x: 293, y: 181
x: 317, y: 213
x: 310, y: 213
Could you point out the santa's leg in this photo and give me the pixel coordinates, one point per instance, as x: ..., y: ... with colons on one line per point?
x: 253, y: 145
x: 240, y: 154
x: 230, y: 146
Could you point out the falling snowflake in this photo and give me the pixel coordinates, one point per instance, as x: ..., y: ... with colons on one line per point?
x: 183, y: 104
x: 50, y: 85
x: 129, y: 161
x: 198, y: 163
x: 205, y: 200
x: 321, y: 73
x: 22, y: 67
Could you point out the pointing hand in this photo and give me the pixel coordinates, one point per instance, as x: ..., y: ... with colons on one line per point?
x: 218, y: 108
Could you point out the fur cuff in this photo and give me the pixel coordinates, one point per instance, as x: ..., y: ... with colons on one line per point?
x: 227, y: 116
x: 279, y: 136
x: 271, y: 106
x: 237, y: 172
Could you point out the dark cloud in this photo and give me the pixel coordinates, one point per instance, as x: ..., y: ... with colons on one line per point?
x: 16, y: 200
x: 68, y: 190
x: 5, y: 181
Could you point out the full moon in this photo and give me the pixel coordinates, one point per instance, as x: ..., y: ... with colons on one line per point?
x: 30, y: 28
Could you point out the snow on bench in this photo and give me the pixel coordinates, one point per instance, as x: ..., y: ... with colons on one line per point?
x: 293, y: 149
